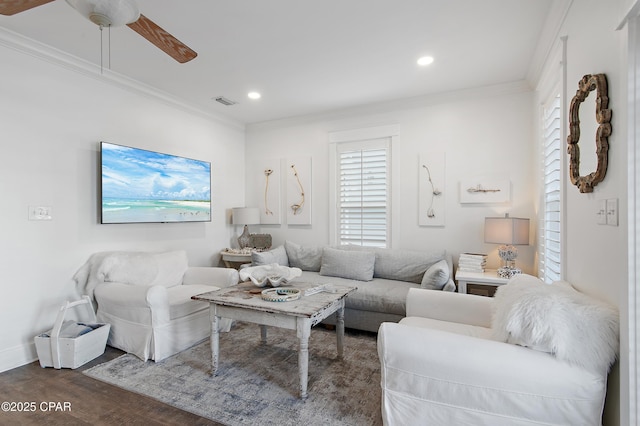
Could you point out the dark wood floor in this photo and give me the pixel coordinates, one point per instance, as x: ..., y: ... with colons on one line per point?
x: 91, y: 402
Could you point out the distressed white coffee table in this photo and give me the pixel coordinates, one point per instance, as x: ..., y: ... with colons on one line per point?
x: 237, y: 302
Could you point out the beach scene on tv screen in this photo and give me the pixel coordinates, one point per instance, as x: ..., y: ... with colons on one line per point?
x: 146, y: 186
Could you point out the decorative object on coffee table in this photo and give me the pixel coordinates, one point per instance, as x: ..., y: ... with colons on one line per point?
x: 272, y: 274
x: 281, y: 294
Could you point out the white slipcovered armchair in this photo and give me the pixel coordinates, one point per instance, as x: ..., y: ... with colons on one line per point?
x: 146, y: 297
x: 535, y: 354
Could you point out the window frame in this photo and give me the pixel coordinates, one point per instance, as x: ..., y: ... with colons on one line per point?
x: 390, y: 132
x: 553, y: 81
x: 551, y: 224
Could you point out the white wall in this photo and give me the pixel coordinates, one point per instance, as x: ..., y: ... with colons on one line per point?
x: 483, y: 132
x: 53, y: 118
x: 597, y: 255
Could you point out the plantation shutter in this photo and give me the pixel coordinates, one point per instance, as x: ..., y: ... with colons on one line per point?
x: 363, y: 193
x: 550, y: 241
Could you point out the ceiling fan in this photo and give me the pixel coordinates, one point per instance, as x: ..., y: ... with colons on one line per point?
x: 114, y: 13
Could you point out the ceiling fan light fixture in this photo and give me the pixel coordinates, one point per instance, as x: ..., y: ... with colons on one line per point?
x: 105, y: 13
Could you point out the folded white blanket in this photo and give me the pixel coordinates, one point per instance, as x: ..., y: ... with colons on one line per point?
x: 272, y: 273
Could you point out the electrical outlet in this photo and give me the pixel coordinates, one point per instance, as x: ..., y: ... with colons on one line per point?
x: 40, y: 213
x: 612, y: 211
x: 602, y: 212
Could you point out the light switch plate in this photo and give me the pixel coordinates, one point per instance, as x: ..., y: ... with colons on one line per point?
x: 40, y: 213
x: 612, y: 211
x: 602, y: 212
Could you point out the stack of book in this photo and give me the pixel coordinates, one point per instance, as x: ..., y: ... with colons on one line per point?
x: 472, y: 262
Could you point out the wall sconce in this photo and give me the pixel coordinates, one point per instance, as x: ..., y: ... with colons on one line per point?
x: 508, y: 232
x: 245, y: 216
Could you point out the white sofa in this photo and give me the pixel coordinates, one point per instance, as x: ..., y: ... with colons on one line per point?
x: 383, y: 277
x: 146, y: 297
x: 452, y: 361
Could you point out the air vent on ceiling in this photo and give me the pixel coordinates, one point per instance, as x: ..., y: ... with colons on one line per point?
x: 225, y: 101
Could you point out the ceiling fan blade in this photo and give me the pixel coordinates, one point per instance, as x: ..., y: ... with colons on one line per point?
x: 162, y: 39
x: 11, y: 7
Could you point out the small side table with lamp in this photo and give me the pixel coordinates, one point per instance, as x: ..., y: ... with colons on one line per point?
x: 509, y: 232
x: 247, y: 242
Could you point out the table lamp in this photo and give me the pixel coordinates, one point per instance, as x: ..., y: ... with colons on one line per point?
x: 245, y: 216
x: 508, y: 232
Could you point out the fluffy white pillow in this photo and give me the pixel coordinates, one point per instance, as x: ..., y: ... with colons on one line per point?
x: 557, y: 319
x: 146, y: 269
x: 129, y: 268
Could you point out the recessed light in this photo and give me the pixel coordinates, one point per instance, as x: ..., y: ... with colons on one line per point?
x: 254, y: 95
x: 425, y: 60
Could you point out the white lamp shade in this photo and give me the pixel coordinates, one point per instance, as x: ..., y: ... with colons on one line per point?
x: 246, y: 216
x: 506, y: 230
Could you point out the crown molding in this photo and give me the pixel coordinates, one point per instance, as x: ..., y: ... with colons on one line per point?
x: 25, y: 45
x: 414, y: 102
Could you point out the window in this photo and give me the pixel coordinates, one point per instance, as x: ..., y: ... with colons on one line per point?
x: 551, y: 211
x: 363, y: 202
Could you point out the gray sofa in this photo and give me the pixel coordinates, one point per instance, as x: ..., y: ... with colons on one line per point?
x: 383, y: 276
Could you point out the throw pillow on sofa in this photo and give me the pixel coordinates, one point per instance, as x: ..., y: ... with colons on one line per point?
x: 401, y: 265
x: 277, y: 255
x: 305, y: 258
x: 436, y: 276
x: 353, y: 265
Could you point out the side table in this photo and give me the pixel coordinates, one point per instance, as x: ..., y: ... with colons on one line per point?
x: 479, y: 283
x: 234, y: 260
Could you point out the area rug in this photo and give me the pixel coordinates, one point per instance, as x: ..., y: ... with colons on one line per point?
x: 258, y: 383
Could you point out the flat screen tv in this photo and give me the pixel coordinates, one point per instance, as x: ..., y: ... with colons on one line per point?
x: 140, y: 186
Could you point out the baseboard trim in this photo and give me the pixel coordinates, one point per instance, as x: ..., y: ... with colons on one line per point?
x: 17, y: 356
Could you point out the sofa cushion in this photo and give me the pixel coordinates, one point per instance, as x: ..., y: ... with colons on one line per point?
x: 355, y: 265
x: 557, y: 319
x: 277, y: 255
x: 305, y: 258
x: 377, y: 295
x: 180, y: 302
x: 402, y: 265
x: 436, y: 276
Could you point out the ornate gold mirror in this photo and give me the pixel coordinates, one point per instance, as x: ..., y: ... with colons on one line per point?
x: 586, y: 85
